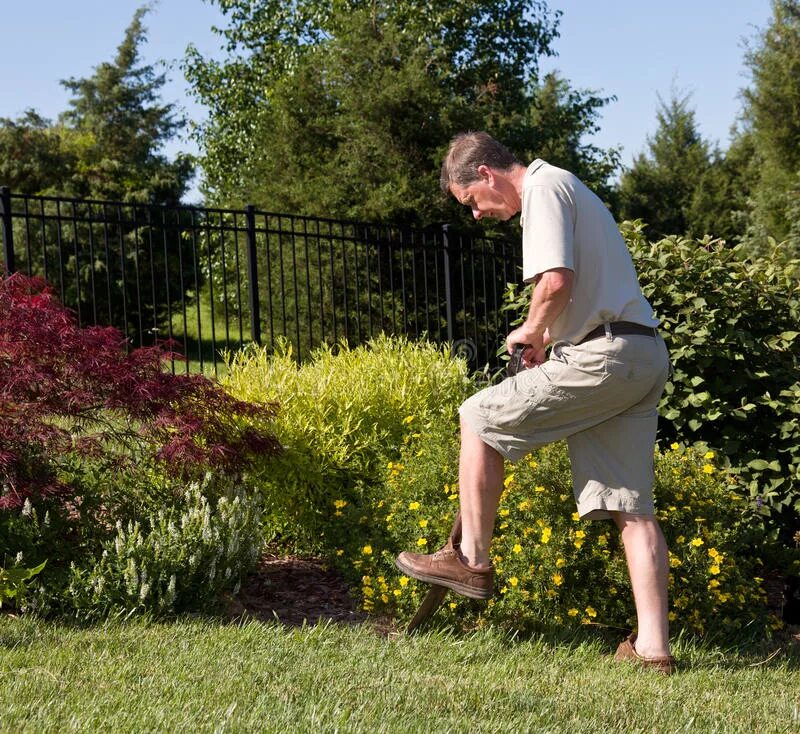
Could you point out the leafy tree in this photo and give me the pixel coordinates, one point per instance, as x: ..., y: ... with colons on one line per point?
x: 33, y: 158
x: 772, y: 120
x: 681, y: 185
x: 345, y: 108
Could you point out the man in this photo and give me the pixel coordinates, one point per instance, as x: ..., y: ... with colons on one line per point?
x: 599, y: 388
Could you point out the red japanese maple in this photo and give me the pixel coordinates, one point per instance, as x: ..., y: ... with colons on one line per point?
x: 65, y: 388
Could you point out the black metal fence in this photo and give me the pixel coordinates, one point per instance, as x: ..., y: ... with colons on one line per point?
x: 213, y: 280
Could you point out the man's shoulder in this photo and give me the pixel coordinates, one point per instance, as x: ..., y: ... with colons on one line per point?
x: 542, y: 173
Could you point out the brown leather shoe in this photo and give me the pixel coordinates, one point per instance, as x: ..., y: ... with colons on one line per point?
x: 627, y: 652
x: 445, y: 568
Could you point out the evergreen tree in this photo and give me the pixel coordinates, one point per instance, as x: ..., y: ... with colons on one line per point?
x: 116, y: 126
x: 772, y: 122
x: 679, y: 186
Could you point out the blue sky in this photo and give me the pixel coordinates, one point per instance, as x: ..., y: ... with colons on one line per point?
x: 634, y: 50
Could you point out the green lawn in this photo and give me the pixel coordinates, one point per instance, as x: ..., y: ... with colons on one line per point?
x: 211, y: 676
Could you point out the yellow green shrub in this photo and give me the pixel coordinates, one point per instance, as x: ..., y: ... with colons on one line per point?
x: 343, y: 415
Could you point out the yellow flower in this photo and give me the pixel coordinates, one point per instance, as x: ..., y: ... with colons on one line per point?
x: 575, y: 517
x: 672, y: 616
x: 384, y: 598
x: 708, y: 469
x: 338, y: 504
x: 505, y: 512
x: 423, y: 523
x: 517, y: 548
x: 714, y: 569
x: 532, y: 464
x: 367, y: 550
x: 422, y: 541
x: 513, y: 581
x: 413, y: 505
x: 580, y: 534
x: 713, y: 584
x: 524, y: 505
x: 713, y: 553
x: 680, y: 539
x: 509, y: 480
x: 397, y: 592
x: 591, y: 612
x: 339, y: 552
x: 404, y: 581
x: 408, y: 419
x: 697, y: 542
x: 558, y: 579
x: 560, y: 562
x: 578, y: 544
x: 674, y: 446
x: 453, y: 605
x: 546, y: 533
x: 674, y: 561
x: 708, y: 455
x: 539, y: 489
x: 573, y: 612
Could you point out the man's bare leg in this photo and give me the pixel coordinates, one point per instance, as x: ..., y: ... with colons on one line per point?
x: 648, y: 566
x: 480, y: 481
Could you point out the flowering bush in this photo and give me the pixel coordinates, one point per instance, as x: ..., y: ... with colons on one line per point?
x: 551, y: 567
x: 179, y: 558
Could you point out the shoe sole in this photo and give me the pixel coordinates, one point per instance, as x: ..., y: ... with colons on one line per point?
x: 457, y: 586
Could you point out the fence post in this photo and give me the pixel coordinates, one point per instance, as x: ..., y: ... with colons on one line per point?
x: 448, y: 293
x: 252, y: 274
x: 8, y: 229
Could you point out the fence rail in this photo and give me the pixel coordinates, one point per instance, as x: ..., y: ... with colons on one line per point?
x: 216, y: 279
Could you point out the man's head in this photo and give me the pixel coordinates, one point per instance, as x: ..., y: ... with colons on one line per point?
x: 482, y: 174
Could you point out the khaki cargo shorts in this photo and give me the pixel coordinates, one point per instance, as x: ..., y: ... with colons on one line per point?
x: 601, y: 396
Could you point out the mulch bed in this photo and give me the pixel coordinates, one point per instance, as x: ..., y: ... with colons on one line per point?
x: 295, y: 590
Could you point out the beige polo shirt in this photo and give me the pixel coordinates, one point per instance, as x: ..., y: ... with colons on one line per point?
x: 565, y: 225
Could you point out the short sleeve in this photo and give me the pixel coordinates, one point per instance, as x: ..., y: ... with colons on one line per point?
x: 548, y: 231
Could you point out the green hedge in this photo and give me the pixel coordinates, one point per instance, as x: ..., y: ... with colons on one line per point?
x: 731, y: 325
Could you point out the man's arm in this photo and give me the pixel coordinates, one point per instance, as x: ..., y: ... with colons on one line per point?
x: 550, y: 296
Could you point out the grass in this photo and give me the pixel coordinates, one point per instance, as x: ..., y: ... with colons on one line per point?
x: 203, y: 675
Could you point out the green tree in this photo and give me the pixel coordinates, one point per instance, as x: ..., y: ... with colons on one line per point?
x: 32, y: 156
x: 116, y: 126
x: 345, y: 108
x: 772, y: 120
x: 681, y: 185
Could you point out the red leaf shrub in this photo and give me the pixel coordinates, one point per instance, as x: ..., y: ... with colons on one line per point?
x: 64, y: 389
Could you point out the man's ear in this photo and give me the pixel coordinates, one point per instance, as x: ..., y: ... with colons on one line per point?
x: 486, y: 174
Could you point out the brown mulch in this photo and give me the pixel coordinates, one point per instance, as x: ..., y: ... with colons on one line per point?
x: 295, y: 590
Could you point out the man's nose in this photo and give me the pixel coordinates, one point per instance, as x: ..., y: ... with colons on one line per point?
x: 477, y: 213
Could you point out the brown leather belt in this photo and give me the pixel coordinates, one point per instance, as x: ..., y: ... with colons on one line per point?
x: 619, y: 328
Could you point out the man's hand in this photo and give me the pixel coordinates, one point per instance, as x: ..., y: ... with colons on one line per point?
x: 534, y: 353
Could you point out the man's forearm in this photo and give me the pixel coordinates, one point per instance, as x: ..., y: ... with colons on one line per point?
x: 550, y: 296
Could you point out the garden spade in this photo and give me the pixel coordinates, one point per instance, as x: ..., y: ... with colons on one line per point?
x: 435, y: 596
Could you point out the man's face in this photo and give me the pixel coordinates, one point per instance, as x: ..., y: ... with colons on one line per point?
x: 485, y: 199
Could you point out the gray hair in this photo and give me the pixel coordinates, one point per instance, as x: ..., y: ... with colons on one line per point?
x: 469, y: 151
